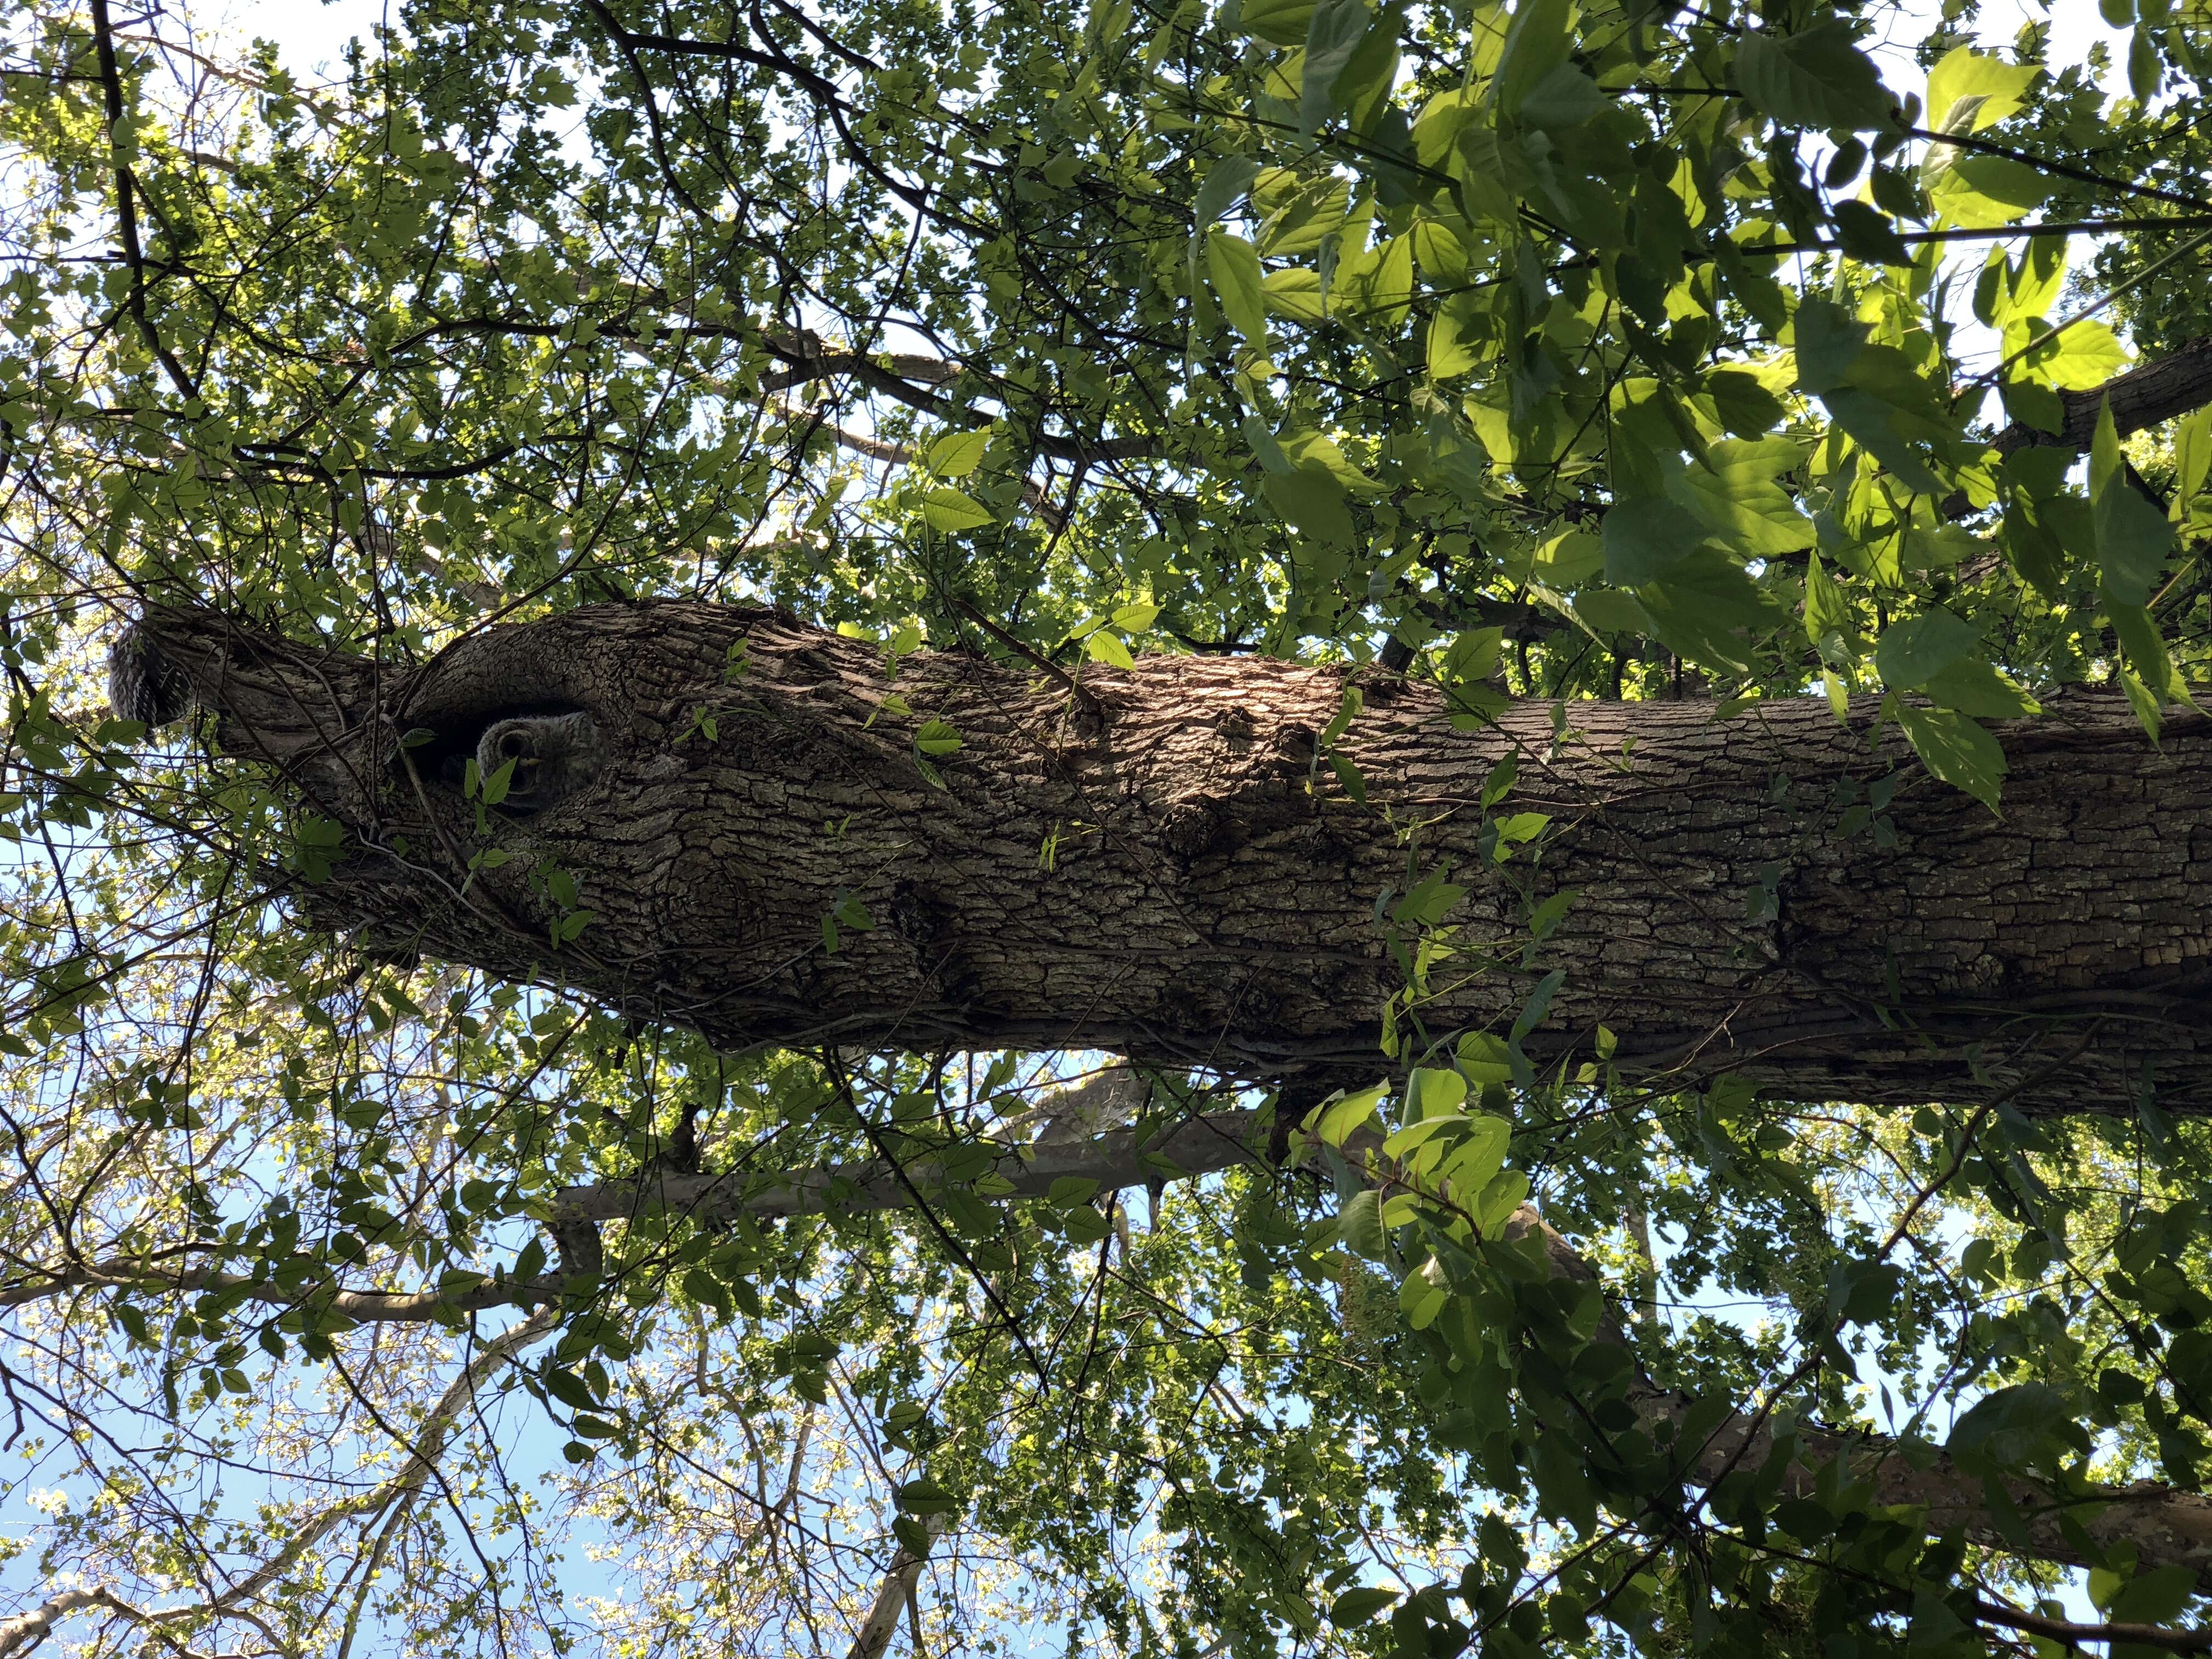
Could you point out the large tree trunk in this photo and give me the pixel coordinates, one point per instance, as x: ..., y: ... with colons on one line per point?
x: 1161, y: 863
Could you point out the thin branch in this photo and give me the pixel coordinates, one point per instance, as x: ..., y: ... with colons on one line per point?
x: 2066, y: 1630
x: 1995, y: 234
x: 126, y: 202
x: 19, y: 1633
x: 2061, y: 169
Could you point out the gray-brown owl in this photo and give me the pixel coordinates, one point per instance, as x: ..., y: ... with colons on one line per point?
x: 143, y: 684
x: 553, y: 757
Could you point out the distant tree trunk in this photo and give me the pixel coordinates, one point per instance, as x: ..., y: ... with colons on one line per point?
x: 774, y: 848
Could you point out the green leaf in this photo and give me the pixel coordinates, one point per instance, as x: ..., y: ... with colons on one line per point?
x: 1816, y: 78
x: 1234, y: 265
x: 1333, y: 35
x: 1981, y: 191
x: 1737, y: 492
x: 2145, y: 72
x: 1309, y: 448
x: 1333, y: 1122
x: 1745, y: 407
x: 2133, y: 538
x: 1428, y: 902
x: 1084, y: 1225
x: 1546, y: 918
x: 2025, y: 289
x: 924, y: 1496
x: 1609, y: 610
x: 945, y: 508
x: 703, y: 1288
x: 570, y: 1389
x: 1880, y: 424
x: 1564, y: 98
x: 1968, y: 90
x: 1567, y: 559
x: 1415, y: 1135
x: 1360, y: 1225
x: 957, y: 454
x: 2153, y: 1597
x: 1705, y: 608
x: 2192, y: 458
x: 2034, y: 404
x: 1483, y: 1057
x: 1480, y: 660
x: 1828, y: 340
x: 1475, y: 1162
x: 1913, y: 651
x: 1954, y: 747
x: 1868, y: 235
x: 1645, y: 538
x: 1279, y: 22
x: 1295, y: 293
x: 1432, y: 1093
x: 2144, y: 649
x: 1107, y: 647
x: 1974, y: 687
x: 1536, y: 42
x: 1521, y: 827
x: 1225, y: 181
x: 1357, y: 1606
x: 2080, y: 359
x: 1312, y: 499
x: 936, y: 737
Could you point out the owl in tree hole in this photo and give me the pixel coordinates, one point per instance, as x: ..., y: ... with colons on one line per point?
x: 553, y: 757
x: 143, y: 684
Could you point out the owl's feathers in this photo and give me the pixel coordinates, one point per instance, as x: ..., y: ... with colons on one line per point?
x: 554, y: 756
x: 143, y: 684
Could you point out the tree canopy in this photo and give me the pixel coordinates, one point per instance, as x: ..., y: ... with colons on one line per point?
x: 1753, y: 359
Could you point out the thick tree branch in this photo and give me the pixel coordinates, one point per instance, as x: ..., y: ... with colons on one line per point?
x: 1168, y: 868
x: 2176, y: 384
x: 2073, y: 1633
x: 2166, y: 1526
x: 896, y: 1590
x: 364, y: 1307
x: 27, y: 1628
x: 1126, y: 1158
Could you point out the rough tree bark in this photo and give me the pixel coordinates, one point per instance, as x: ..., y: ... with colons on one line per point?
x: 2156, y: 390
x: 1165, y: 863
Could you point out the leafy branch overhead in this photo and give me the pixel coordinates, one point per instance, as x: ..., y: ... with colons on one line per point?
x: 1323, y: 827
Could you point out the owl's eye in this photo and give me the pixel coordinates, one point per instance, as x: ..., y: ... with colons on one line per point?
x: 548, y: 752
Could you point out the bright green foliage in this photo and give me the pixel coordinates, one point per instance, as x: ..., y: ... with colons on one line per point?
x: 1549, y: 350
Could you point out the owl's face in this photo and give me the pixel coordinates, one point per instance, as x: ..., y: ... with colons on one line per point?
x: 551, y: 757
